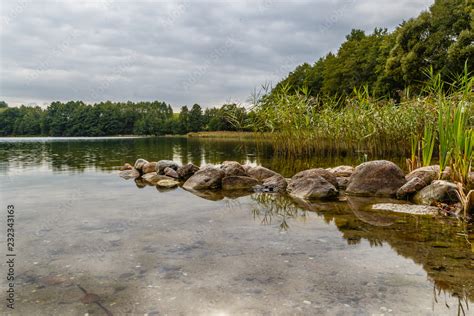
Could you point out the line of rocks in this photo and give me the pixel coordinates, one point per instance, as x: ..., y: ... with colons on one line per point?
x: 379, y: 178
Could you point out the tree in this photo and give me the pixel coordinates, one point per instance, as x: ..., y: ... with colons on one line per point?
x: 195, y: 118
x: 3, y: 104
x: 183, y: 120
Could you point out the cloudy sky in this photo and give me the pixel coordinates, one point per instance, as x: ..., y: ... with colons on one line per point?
x: 181, y: 52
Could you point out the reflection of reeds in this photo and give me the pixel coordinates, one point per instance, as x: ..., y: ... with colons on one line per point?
x: 275, y: 205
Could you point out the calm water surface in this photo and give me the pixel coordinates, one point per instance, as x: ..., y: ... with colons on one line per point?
x: 149, y: 251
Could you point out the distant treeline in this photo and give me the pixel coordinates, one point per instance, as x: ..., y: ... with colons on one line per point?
x: 76, y: 118
x: 391, y: 62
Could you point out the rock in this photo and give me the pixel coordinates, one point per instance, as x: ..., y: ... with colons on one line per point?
x: 260, y: 173
x: 153, y: 178
x: 429, y: 173
x: 376, y: 178
x: 163, y: 164
x: 246, y: 168
x: 342, y: 182
x: 276, y: 183
x: 139, y: 164
x: 205, y: 179
x: 238, y: 183
x: 413, y: 185
x: 129, y: 174
x: 327, y: 175
x: 311, y: 188
x: 171, y: 173
x: 233, y: 168
x: 406, y: 208
x: 438, y: 191
x: 342, y: 171
x: 167, y: 183
x: 149, y: 167
x: 126, y: 166
x: 186, y: 171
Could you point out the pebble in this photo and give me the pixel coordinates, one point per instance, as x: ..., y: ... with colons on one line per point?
x: 307, y: 302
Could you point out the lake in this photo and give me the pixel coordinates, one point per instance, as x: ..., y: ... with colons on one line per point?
x: 148, y: 251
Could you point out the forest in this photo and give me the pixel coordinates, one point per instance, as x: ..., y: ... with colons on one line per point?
x: 433, y: 51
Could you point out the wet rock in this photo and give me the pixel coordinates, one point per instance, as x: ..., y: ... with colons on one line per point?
x: 413, y: 185
x: 205, y: 179
x: 376, y: 178
x: 170, y: 172
x: 140, y: 183
x: 149, y: 167
x: 246, y: 168
x: 167, y: 183
x: 438, y: 191
x: 139, y: 164
x: 342, y: 171
x: 260, y: 173
x: 276, y: 183
x: 129, y: 174
x: 238, y: 183
x: 342, y: 182
x: 126, y: 166
x: 429, y: 173
x: 406, y: 208
x: 153, y: 178
x: 186, y: 171
x: 233, y: 168
x: 163, y: 164
x: 311, y: 188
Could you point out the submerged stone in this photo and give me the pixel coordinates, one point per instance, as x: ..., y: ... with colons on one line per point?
x: 406, y: 208
x: 167, y: 183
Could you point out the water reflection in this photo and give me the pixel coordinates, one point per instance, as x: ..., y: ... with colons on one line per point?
x: 78, y: 155
x: 442, y: 246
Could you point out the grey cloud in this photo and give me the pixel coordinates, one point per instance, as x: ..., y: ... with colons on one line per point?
x: 180, y: 52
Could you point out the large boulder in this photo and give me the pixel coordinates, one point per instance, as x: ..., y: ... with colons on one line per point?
x: 149, y: 167
x: 238, y: 183
x: 342, y: 171
x: 429, y: 173
x: 129, y: 174
x: 205, y: 179
x: 276, y: 183
x: 186, y: 171
x: 317, y: 172
x: 376, y: 178
x: 233, y: 168
x: 311, y: 188
x: 260, y: 173
x: 438, y: 191
x: 139, y: 164
x: 163, y: 164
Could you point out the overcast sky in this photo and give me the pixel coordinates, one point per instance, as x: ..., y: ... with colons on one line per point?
x: 181, y: 52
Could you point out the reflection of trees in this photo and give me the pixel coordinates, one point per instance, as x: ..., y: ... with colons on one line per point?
x: 439, y: 245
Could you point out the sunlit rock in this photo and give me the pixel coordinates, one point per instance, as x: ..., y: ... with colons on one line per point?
x: 233, y: 168
x: 139, y: 164
x: 149, y: 167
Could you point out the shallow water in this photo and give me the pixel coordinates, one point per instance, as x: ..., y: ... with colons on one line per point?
x: 145, y: 251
